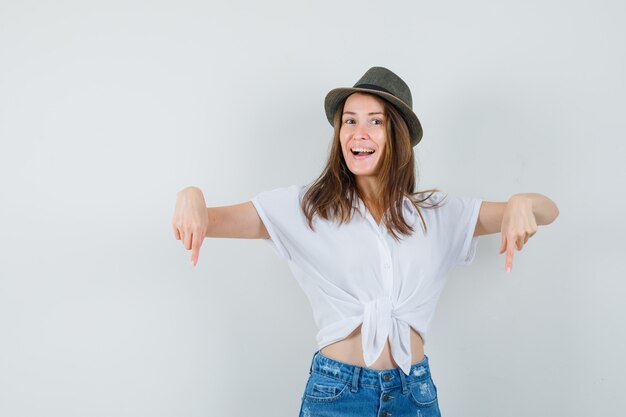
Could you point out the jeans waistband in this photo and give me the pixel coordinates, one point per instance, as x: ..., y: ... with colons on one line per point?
x: 362, y: 376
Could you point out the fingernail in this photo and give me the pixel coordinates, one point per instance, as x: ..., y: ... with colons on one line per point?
x: 508, y: 269
x: 192, y: 263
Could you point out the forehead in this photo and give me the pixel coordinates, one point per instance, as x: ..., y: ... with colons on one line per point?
x: 363, y: 102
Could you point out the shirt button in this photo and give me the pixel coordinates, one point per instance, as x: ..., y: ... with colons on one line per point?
x: 386, y: 266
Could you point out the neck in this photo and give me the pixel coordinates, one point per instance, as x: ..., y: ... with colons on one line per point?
x: 368, y: 188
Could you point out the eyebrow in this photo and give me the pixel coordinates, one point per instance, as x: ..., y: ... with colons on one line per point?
x: 369, y: 114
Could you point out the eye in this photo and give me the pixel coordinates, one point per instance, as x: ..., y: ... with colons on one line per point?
x: 349, y: 121
x: 377, y: 121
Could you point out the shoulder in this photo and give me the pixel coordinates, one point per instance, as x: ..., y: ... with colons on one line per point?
x: 285, y: 197
x: 429, y: 198
x: 441, y: 204
x: 442, y: 198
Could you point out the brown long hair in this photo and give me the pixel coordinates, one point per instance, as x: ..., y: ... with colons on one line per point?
x: 332, y: 194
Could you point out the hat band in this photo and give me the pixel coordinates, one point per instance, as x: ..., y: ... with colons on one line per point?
x: 373, y: 87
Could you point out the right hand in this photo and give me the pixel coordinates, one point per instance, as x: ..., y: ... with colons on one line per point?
x: 190, y: 222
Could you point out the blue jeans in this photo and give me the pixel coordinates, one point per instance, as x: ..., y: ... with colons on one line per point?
x: 339, y: 389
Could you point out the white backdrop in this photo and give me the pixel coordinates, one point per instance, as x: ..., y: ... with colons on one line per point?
x: 109, y: 108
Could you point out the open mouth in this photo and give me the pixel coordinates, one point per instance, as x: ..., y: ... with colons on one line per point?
x: 360, y: 153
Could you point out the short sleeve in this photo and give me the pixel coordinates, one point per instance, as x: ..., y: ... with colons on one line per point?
x: 458, y: 217
x: 279, y: 209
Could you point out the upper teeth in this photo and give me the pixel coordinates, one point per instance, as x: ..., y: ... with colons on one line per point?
x: 362, y: 150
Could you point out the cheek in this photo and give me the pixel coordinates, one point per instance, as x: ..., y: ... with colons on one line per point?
x: 383, y: 143
x: 342, y: 143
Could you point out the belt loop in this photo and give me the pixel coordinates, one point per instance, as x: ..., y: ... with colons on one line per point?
x: 312, y: 360
x: 355, y: 379
x: 405, y: 381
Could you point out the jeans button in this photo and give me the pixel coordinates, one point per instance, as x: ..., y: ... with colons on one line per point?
x: 386, y: 397
x: 386, y: 377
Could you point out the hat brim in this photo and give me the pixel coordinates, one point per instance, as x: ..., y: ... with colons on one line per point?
x: 336, y: 96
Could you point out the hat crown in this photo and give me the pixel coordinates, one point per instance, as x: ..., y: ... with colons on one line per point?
x: 387, y: 81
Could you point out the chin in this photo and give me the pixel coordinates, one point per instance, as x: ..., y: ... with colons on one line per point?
x: 369, y: 172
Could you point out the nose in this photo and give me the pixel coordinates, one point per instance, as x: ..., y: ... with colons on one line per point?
x: 360, y: 131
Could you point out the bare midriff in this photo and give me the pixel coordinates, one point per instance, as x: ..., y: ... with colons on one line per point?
x: 350, y: 350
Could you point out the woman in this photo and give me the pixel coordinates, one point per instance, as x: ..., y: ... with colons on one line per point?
x: 373, y: 275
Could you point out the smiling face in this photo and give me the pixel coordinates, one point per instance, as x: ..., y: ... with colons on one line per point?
x: 363, y: 129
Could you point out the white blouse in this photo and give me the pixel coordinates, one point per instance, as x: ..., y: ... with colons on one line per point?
x: 357, y: 273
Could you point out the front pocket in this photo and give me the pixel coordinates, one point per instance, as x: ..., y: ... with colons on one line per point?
x: 322, y: 388
x: 423, y: 393
x: 325, y: 390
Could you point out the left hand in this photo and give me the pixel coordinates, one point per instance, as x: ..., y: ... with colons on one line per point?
x: 518, y: 225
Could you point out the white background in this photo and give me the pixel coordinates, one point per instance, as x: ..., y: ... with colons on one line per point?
x: 109, y: 108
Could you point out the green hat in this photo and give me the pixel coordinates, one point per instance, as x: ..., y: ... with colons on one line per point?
x: 385, y: 84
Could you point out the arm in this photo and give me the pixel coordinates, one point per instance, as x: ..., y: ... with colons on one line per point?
x: 235, y: 221
x: 517, y: 219
x: 491, y: 213
x: 193, y: 221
